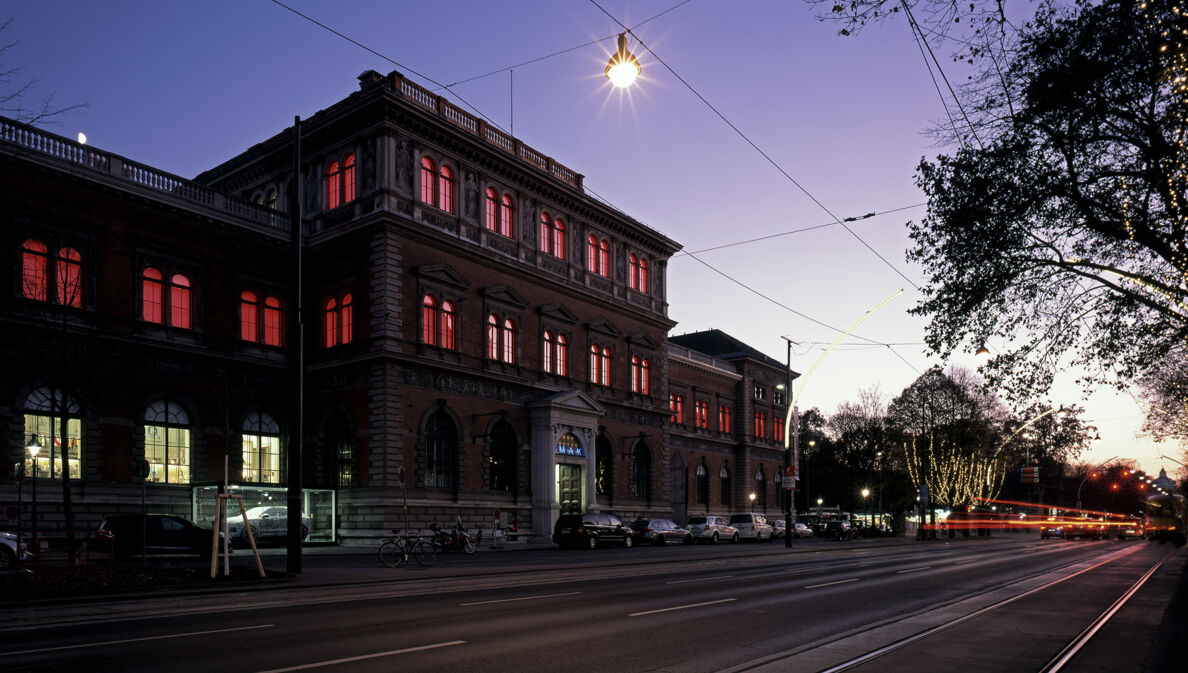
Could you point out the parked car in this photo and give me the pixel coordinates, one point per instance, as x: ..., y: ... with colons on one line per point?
x: 590, y: 530
x: 162, y: 534
x: 11, y: 548
x: 710, y: 529
x: 779, y: 528
x: 268, y: 522
x: 800, y: 530
x: 660, y: 531
x: 752, y: 526
x: 838, y: 529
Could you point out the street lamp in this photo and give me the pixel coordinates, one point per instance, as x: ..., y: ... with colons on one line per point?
x: 34, y: 447
x: 622, y: 69
x: 1092, y: 473
x: 866, y: 503
x: 752, y: 498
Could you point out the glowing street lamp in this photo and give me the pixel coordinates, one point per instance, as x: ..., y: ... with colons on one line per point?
x: 34, y: 447
x: 752, y: 498
x: 622, y: 69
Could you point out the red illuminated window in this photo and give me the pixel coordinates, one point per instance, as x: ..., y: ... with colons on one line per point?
x: 69, y: 277
x: 492, y: 215
x: 507, y: 217
x: 723, y: 418
x: 428, y: 181
x: 501, y: 213
x: 340, y: 182
x: 598, y: 256
x: 438, y: 323
x: 702, y: 411
x: 600, y: 365
x: 153, y: 296
x: 445, y: 190
x: 449, y: 329
x: 510, y: 336
x: 637, y: 273
x: 273, y: 321
x: 337, y: 321
x: 777, y: 427
x: 333, y: 193
x: 640, y: 376
x: 676, y: 404
x: 502, y: 339
x: 429, y: 320
x: 249, y: 323
x: 180, y: 301
x: 552, y: 235
x: 34, y: 270
x: 348, y: 178
x: 761, y: 425
x: 556, y: 353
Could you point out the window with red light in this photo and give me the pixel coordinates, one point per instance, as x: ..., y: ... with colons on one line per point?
x: 428, y: 181
x: 724, y: 421
x: 152, y: 294
x: 640, y: 376
x: 438, y: 323
x: 676, y: 404
x: 510, y: 336
x: 340, y: 182
x: 64, y: 283
x: 492, y: 215
x: 445, y: 190
x: 449, y: 326
x: 429, y: 320
x: 338, y: 320
x: 552, y: 235
x: 600, y: 365
x: 637, y: 272
x: 35, y: 270
x: 555, y: 358
x: 502, y: 339
x: 273, y: 321
x: 507, y: 217
x: 69, y: 278
x: 169, y: 303
x: 501, y: 213
x: 180, y: 301
x: 701, y: 408
x: 761, y: 425
x: 598, y: 256
x: 333, y: 191
x: 249, y: 316
x: 777, y: 431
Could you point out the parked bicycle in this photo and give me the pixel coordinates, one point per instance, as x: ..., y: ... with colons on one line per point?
x: 459, y: 538
x: 395, y: 551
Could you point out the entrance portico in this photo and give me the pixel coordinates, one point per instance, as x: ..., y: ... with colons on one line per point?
x: 564, y: 426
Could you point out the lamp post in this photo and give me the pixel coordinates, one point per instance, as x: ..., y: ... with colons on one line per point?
x: 866, y: 503
x: 34, y: 447
x: 752, y: 499
x: 1091, y: 474
x: 622, y: 68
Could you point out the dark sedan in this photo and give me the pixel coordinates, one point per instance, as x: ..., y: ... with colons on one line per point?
x: 590, y: 530
x: 162, y: 534
x: 660, y: 531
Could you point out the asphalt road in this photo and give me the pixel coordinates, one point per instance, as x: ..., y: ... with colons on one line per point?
x: 1002, y: 605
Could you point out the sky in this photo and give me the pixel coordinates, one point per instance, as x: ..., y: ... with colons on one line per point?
x: 183, y: 86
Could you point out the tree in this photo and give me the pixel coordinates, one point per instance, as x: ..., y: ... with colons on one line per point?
x: 1164, y: 392
x: 1063, y: 233
x: 858, y: 431
x: 14, y: 91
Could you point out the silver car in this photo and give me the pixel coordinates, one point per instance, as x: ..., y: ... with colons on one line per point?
x: 710, y: 529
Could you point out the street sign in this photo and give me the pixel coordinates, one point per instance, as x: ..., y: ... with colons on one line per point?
x: 788, y: 472
x: 1030, y: 475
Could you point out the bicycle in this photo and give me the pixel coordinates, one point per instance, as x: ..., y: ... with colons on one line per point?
x: 395, y: 551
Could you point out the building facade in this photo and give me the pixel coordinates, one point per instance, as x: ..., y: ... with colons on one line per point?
x: 477, y: 338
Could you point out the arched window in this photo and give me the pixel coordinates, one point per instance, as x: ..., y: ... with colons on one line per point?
x: 491, y: 221
x: 598, y: 256
x: 445, y: 190
x: 507, y: 217
x: 180, y: 301
x: 428, y: 181
x: 600, y: 365
x: 167, y: 443
x: 273, y: 321
x: 153, y: 296
x: 429, y: 320
x: 333, y: 188
x: 348, y: 178
x: 761, y: 487
x: 550, y: 343
x: 559, y: 238
x: 592, y: 254
x: 492, y: 337
x: 639, y: 375
x: 510, y: 336
x: 702, y: 487
x: 69, y: 278
x: 562, y: 359
x: 676, y: 404
x: 502, y: 472
x: 724, y: 422
x: 552, y: 235
x: 604, y: 258
x: 261, y: 449
x: 337, y: 321
x: 441, y: 450
x: 724, y: 485
x: 637, y: 272
x: 639, y: 483
x: 449, y: 327
x: 45, y: 410
x: 502, y: 339
x: 270, y: 200
x: 35, y: 270
x: 249, y: 321
x: 642, y: 286
x: 701, y: 411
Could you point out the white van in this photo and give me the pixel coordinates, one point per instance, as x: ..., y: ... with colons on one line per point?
x: 752, y: 526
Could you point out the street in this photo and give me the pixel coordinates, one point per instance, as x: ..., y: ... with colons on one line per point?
x: 964, y: 605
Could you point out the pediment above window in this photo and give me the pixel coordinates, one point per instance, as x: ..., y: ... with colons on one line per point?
x: 604, y: 326
x: 504, y: 294
x: 643, y: 340
x: 559, y: 313
x: 442, y: 273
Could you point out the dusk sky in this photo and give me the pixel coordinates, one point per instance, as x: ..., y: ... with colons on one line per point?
x: 183, y: 86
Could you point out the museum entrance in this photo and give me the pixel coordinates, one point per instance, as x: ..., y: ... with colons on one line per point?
x: 569, y: 488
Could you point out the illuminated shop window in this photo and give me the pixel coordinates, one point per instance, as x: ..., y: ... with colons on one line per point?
x: 261, y: 449
x: 44, y: 412
x: 167, y: 443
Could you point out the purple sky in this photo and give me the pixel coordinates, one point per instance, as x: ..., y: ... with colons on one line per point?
x: 183, y: 86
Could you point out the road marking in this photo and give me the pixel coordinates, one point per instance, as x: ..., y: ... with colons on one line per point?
x: 865, y: 565
x: 701, y: 579
x: 681, y: 607
x: 522, y: 598
x: 363, y: 657
x: 829, y: 584
x: 961, y: 563
x: 912, y: 570
x: 138, y: 640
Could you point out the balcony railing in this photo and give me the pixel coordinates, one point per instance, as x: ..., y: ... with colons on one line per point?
x: 33, y: 140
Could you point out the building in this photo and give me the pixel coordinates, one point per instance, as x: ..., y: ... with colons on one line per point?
x: 478, y: 339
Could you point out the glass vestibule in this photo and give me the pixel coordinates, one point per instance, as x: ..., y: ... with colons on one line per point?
x: 319, y: 504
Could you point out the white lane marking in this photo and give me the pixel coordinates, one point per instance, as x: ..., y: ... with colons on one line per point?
x: 363, y: 657
x: 522, y: 598
x: 681, y: 607
x: 137, y: 640
x: 829, y: 584
x: 701, y: 579
x: 912, y: 570
x: 961, y: 563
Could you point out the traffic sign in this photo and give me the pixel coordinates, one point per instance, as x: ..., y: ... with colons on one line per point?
x: 789, y: 474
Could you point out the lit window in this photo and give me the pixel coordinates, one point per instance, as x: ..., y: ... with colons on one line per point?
x: 449, y: 329
x: 547, y: 356
x: 507, y: 217
x: 502, y: 339
x: 429, y: 320
x: 445, y: 190
x: 500, y: 213
x: 348, y: 178
x: 167, y: 443
x: 637, y: 273
x: 69, y: 277
x: 428, y: 181
x: 249, y: 322
x: 562, y: 355
x: 600, y: 365
x: 331, y: 315
x: 702, y: 412
x: 153, y: 296
x: 777, y: 431
x: 180, y: 300
x: 338, y: 321
x: 556, y: 353
x: 640, y: 376
x: 333, y: 194
x: 604, y: 258
x: 438, y: 323
x: 493, y: 337
x: 261, y: 449
x: 552, y: 235
x: 492, y: 217
x: 642, y: 285
x: 347, y: 312
x: 676, y: 404
x: 598, y: 256
x: 592, y: 255
x: 35, y: 270
x: 510, y: 336
x: 272, y: 321
x: 724, y: 418
x: 44, y: 412
x: 761, y: 425
x: 340, y: 183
